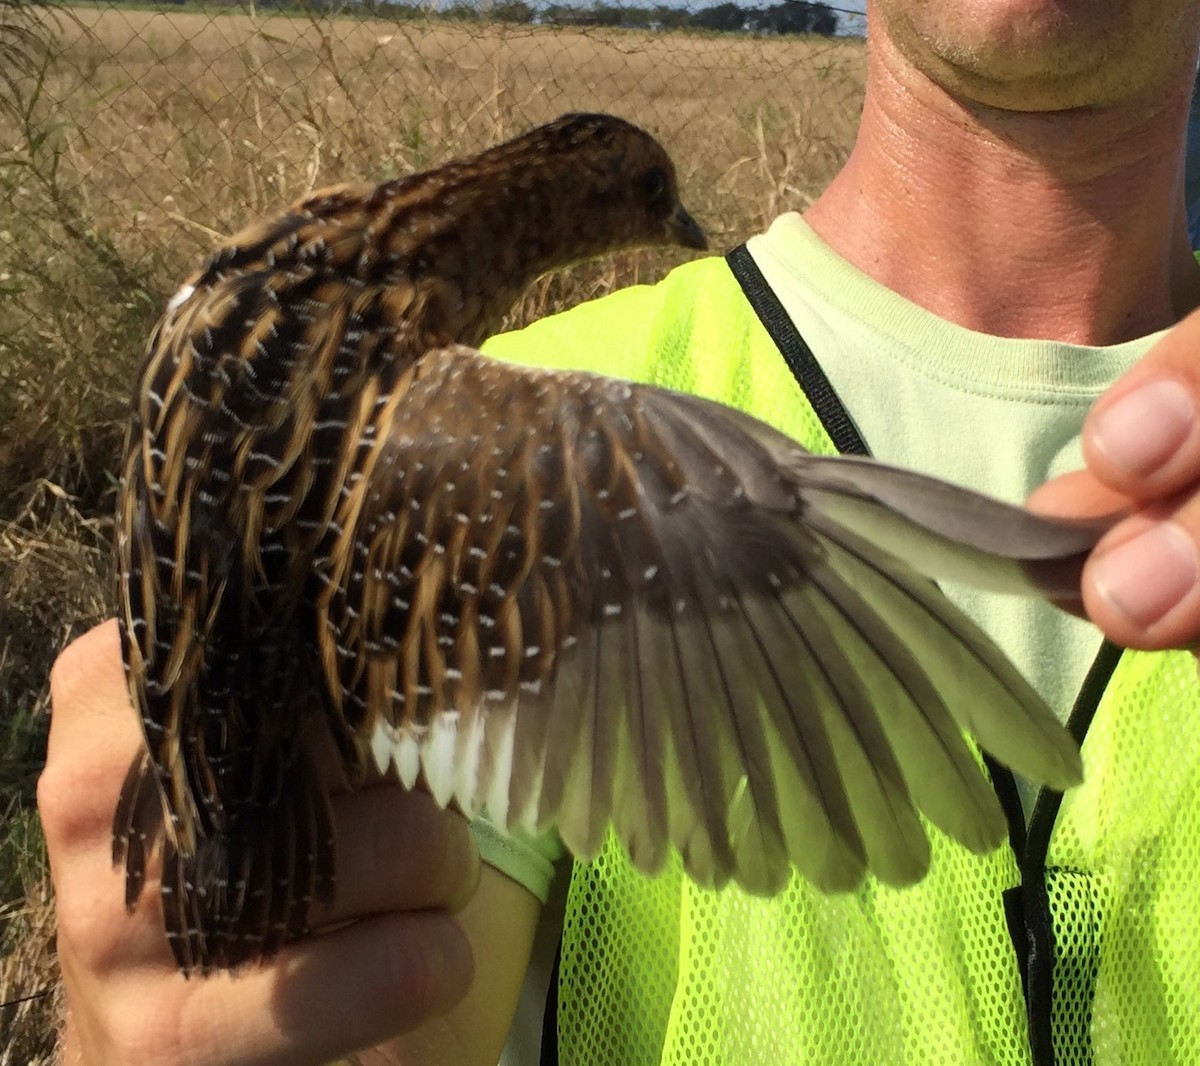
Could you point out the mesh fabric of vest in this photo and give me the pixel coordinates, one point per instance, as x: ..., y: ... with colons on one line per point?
x: 657, y: 971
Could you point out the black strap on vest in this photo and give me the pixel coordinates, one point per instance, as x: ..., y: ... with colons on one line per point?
x: 797, y: 354
x: 1028, y: 905
x: 549, y: 1055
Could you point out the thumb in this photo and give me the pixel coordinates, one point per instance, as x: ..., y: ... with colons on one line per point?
x: 1142, y: 437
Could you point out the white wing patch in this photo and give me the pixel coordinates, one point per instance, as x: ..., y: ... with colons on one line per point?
x: 180, y: 298
x: 466, y: 765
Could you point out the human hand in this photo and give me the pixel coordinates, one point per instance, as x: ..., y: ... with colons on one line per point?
x: 386, y: 956
x: 1141, y: 445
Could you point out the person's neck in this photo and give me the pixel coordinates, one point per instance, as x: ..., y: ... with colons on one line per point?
x: 1067, y: 225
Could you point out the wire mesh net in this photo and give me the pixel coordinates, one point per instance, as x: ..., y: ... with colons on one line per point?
x: 145, y: 135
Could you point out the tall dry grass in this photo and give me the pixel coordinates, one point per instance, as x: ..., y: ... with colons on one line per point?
x: 142, y: 136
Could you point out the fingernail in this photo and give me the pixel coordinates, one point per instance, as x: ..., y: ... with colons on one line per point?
x: 1146, y: 576
x: 1143, y: 429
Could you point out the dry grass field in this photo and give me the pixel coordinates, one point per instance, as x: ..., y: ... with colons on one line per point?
x: 144, y: 135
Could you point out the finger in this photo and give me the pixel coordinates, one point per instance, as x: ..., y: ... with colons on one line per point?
x: 393, y: 972
x: 1142, y: 438
x: 88, y: 695
x: 398, y: 851
x: 326, y: 997
x: 93, y: 738
x: 1142, y: 582
x: 317, y: 1001
x: 1077, y: 495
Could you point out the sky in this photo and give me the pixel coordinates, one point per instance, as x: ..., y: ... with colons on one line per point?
x: 852, y: 15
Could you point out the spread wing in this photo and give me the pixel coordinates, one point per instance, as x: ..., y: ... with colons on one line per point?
x: 570, y: 601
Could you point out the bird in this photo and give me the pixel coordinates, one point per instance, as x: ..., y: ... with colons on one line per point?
x: 557, y: 599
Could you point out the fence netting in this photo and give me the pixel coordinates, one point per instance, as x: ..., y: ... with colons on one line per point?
x: 140, y: 135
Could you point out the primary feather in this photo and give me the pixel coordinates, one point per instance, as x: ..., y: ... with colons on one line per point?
x: 557, y: 598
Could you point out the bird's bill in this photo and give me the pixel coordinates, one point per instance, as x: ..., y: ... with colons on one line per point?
x: 685, y: 230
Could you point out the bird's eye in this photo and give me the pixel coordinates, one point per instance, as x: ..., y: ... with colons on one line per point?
x: 654, y: 185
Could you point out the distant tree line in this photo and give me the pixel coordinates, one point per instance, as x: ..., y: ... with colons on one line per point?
x: 790, y: 16
x: 786, y: 17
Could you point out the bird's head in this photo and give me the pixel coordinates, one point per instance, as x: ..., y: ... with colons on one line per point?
x: 627, y: 190
x: 613, y: 183
x: 470, y: 235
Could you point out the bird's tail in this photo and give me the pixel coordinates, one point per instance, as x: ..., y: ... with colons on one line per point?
x: 239, y: 893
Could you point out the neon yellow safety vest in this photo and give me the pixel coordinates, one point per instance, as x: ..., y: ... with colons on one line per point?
x: 1080, y: 944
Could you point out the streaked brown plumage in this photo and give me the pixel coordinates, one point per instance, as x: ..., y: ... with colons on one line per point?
x: 561, y: 598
